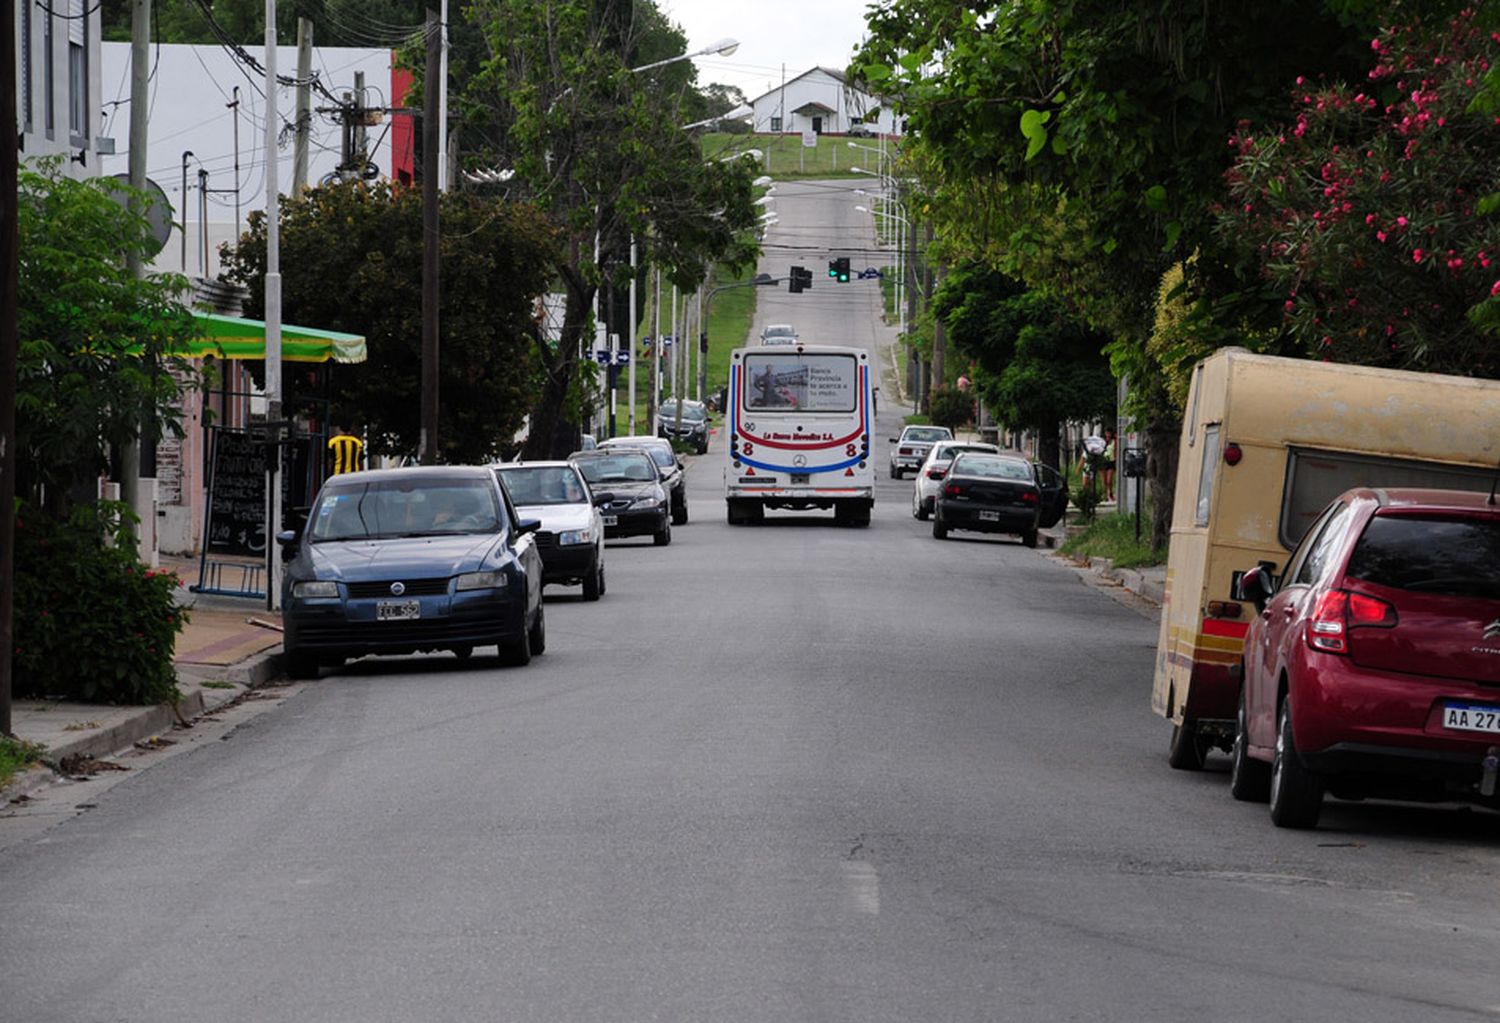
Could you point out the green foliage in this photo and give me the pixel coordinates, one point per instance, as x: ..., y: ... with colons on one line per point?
x: 951, y: 407
x: 91, y: 622
x: 16, y: 754
x: 1367, y: 212
x: 358, y: 253
x: 1113, y: 537
x: 96, y: 342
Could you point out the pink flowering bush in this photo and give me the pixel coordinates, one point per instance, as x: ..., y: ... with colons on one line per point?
x: 1367, y: 213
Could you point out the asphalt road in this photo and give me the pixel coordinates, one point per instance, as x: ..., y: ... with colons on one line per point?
x: 783, y: 773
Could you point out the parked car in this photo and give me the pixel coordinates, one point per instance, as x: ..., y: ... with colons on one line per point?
x: 989, y: 494
x: 668, y: 466
x: 399, y: 561
x: 638, y: 503
x: 912, y: 447
x: 778, y: 334
x: 934, y: 470
x: 861, y: 130
x: 694, y: 423
x: 1371, y: 667
x: 571, y: 536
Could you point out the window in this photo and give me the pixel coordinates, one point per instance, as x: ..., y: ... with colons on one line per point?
x: 1319, y: 555
x: 25, y: 67
x: 78, y: 69
x: 775, y: 124
x: 1450, y: 557
x: 49, y: 87
x: 1315, y: 478
x: 803, y: 383
x: 1206, y: 475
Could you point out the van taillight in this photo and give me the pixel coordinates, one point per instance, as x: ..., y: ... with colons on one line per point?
x: 1340, y: 610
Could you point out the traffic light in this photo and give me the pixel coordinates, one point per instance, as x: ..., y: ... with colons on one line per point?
x: 833, y: 268
x: 800, y: 280
x: 842, y: 266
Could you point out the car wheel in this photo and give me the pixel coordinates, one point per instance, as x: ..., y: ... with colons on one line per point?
x: 1296, y: 793
x: 1249, y: 779
x: 939, y: 529
x: 603, y: 583
x: 300, y: 665
x: 1028, y: 538
x: 679, y: 514
x: 463, y: 653
x: 924, y: 510
x: 517, y: 653
x: 536, y: 637
x: 662, y: 537
x: 1187, y: 750
x: 593, y: 583
x: 895, y: 473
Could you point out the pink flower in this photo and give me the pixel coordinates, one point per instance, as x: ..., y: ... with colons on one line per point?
x: 1290, y: 305
x: 1401, y: 221
x: 1416, y: 255
x: 1381, y: 236
x: 1495, y: 289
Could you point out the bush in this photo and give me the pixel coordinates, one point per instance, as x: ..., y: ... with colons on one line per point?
x: 91, y: 622
x: 950, y: 408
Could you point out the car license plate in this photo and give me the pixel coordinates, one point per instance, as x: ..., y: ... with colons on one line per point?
x: 989, y: 516
x: 611, y: 520
x: 1472, y: 717
x: 398, y: 610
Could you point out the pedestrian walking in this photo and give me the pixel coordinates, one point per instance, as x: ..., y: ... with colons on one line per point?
x: 346, y: 452
x: 1109, y: 465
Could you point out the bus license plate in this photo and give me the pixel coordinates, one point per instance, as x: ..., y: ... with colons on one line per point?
x: 611, y: 520
x: 800, y: 477
x: 398, y: 610
x: 1470, y: 717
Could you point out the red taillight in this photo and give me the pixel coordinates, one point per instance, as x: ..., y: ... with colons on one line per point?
x: 952, y: 490
x: 907, y: 451
x: 1029, y: 497
x: 936, y: 474
x: 1340, y: 610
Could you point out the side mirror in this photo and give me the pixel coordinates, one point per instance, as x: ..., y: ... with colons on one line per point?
x: 288, y: 536
x: 528, y: 526
x: 1256, y: 586
x: 604, y: 498
x: 895, y: 440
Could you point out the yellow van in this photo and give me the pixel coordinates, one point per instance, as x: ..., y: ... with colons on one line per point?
x: 1266, y: 444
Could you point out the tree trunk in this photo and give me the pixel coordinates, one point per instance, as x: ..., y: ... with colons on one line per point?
x: 1163, y: 433
x: 559, y: 365
x: 1048, y: 444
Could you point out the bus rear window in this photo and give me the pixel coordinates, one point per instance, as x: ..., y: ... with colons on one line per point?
x: 804, y: 383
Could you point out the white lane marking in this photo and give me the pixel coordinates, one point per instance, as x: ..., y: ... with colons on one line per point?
x: 864, y: 886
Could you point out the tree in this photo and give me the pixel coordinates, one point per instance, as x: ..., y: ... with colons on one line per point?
x: 1036, y: 366
x: 1367, y: 211
x: 101, y: 351
x: 1082, y: 141
x: 354, y: 253
x: 598, y: 149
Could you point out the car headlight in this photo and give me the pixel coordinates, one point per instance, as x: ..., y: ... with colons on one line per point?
x: 491, y: 580
x: 572, y: 537
x: 315, y: 588
x: 645, y: 502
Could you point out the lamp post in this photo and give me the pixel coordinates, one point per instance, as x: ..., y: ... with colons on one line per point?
x: 901, y: 225
x: 187, y: 154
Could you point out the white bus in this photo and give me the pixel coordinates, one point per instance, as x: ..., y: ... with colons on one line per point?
x: 799, y: 419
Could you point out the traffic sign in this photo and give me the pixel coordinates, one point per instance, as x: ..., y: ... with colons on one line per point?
x: 870, y: 272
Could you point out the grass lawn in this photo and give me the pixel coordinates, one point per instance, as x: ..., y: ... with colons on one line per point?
x: 15, y: 755
x: 1113, y: 537
x: 790, y: 160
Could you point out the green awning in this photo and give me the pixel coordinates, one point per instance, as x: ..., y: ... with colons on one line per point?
x: 234, y: 337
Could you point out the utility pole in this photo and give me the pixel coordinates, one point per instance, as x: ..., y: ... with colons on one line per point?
x: 630, y: 342
x: 10, y: 245
x: 361, y: 136
x: 234, y: 104
x: 702, y: 346
x: 304, y: 103
x: 273, y: 317
x: 431, y: 146
x: 140, y: 103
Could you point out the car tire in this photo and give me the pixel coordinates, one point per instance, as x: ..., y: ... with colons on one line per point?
x: 517, y: 653
x: 679, y: 514
x: 939, y: 529
x: 895, y: 473
x: 1249, y: 779
x: 593, y: 583
x: 536, y: 636
x: 924, y: 510
x: 1187, y: 749
x: 1028, y: 538
x: 662, y: 537
x: 1296, y: 793
x: 300, y: 665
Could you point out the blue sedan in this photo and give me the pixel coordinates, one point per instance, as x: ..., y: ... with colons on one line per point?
x: 398, y: 561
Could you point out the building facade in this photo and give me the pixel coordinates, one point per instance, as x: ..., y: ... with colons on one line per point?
x: 58, y: 84
x: 823, y: 101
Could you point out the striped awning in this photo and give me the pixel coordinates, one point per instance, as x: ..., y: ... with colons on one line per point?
x: 234, y: 337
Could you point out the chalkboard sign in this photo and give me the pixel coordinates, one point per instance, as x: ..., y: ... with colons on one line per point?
x: 237, y: 494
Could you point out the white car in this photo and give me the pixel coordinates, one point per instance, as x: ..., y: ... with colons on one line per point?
x: 571, y: 538
x: 911, y: 447
x: 933, y: 471
x: 778, y: 334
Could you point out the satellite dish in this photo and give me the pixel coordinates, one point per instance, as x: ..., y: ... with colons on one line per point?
x: 158, y: 213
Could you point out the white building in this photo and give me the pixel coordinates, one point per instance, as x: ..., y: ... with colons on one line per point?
x: 58, y: 88
x: 823, y: 101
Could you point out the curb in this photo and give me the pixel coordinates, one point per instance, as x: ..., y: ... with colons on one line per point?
x: 1143, y: 584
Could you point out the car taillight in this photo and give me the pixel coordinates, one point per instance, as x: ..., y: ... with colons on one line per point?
x: 936, y: 474
x: 1029, y: 497
x: 952, y: 490
x: 907, y: 451
x: 1338, y: 611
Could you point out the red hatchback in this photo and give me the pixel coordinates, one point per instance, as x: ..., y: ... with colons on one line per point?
x: 1373, y: 667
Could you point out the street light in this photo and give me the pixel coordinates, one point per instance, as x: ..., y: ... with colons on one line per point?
x: 902, y: 225
x: 723, y: 48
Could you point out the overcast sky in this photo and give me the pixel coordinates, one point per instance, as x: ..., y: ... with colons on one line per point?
x: 801, y: 33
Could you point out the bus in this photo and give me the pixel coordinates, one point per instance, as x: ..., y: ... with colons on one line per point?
x: 799, y: 419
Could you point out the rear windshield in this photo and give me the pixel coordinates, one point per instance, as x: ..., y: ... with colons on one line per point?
x: 396, y: 507
x: 803, y: 382
x: 1454, y: 557
x: 926, y: 434
x: 543, y: 484
x: 994, y: 468
x: 624, y: 467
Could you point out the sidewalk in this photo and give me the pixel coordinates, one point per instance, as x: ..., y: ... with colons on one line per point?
x: 1149, y: 583
x: 225, y: 649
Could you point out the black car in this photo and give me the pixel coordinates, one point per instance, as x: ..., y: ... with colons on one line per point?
x: 398, y: 561
x: 694, y: 428
x: 993, y: 493
x: 638, y: 504
x: 668, y: 465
